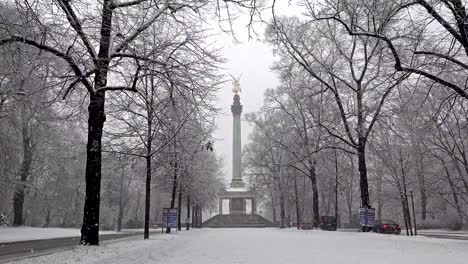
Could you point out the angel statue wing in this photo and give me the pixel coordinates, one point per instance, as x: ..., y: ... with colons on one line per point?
x: 236, y: 84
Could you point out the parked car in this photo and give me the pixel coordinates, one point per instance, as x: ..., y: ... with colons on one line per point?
x: 307, y: 226
x: 387, y: 227
x: 328, y: 222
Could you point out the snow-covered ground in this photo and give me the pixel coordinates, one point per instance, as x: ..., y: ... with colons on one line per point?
x: 10, y: 234
x: 270, y: 246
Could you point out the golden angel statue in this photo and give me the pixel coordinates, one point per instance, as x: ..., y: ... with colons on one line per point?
x: 236, y: 84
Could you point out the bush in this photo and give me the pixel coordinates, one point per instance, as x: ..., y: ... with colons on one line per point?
x: 3, y: 220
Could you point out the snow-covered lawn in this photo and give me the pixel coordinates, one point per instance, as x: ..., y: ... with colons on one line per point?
x: 270, y: 246
x: 10, y: 234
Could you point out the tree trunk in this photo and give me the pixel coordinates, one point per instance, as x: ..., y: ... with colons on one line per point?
x: 47, y: 218
x: 422, y: 191
x: 273, y: 209
x: 179, y: 210
x: 379, y: 197
x: 18, y: 197
x: 363, y: 183
x: 282, y: 210
x: 457, y: 206
x: 296, y: 200
x: 174, y: 189
x: 315, y: 195
x: 90, y: 228
x: 120, y: 214
x: 405, y: 215
x: 200, y: 217
x: 336, y: 189
x: 406, y: 204
x: 148, y: 188
x: 193, y: 216
x: 96, y: 119
x: 188, y: 213
x: 137, y: 207
x: 465, y: 166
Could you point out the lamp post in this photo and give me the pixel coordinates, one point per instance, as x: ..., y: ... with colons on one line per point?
x: 336, y: 189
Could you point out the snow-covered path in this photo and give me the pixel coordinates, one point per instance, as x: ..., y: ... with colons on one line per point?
x: 271, y: 246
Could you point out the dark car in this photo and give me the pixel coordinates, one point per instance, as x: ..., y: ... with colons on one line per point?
x: 387, y: 227
x: 328, y: 222
x: 307, y: 226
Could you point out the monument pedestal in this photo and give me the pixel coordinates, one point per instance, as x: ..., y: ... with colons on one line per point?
x: 238, y: 215
x: 237, y: 201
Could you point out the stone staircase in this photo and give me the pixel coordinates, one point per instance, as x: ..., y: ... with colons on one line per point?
x: 237, y: 221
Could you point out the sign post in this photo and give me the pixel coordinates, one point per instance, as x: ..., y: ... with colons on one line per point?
x: 169, y: 218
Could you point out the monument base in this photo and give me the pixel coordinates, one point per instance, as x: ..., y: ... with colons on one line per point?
x: 237, y: 183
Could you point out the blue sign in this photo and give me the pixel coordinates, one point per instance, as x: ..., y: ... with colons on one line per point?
x: 367, y: 217
x: 169, y: 218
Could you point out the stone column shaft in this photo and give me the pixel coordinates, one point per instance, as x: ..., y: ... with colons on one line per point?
x: 236, y: 148
x: 236, y: 109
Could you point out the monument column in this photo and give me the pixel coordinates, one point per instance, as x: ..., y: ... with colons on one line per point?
x: 236, y: 109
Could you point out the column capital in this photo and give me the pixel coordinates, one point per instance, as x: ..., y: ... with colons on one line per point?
x: 236, y: 107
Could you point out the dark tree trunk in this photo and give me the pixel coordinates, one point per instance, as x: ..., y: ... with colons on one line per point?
x: 328, y: 200
x: 18, y: 197
x: 96, y: 119
x: 149, y: 144
x: 119, y: 219
x: 274, y: 214
x: 120, y: 214
x: 174, y: 189
x: 315, y: 195
x: 197, y: 217
x: 148, y: 190
x: 18, y: 202
x: 336, y: 189
x: 200, y: 216
x: 296, y: 200
x: 47, y: 218
x: 179, y: 210
x: 188, y: 213
x: 90, y: 228
x: 379, y: 198
x: 193, y: 217
x: 282, y: 210
x: 363, y: 184
x: 406, y: 204
x: 405, y: 216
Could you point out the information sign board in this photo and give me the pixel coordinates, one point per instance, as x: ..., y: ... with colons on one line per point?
x: 169, y: 218
x: 367, y: 217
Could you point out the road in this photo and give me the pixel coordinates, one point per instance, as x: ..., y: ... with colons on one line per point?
x: 25, y: 249
x: 244, y: 246
x: 267, y: 245
x: 429, y: 233
x: 444, y: 234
